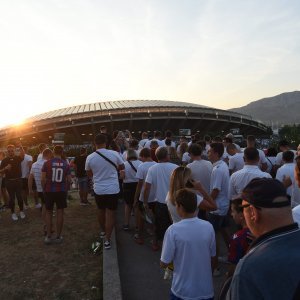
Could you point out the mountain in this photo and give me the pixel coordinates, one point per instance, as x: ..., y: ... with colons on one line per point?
x: 278, y: 110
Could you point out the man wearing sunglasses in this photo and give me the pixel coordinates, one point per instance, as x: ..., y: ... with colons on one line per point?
x: 271, y: 268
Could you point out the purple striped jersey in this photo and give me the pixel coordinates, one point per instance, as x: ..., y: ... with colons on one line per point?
x: 56, y: 170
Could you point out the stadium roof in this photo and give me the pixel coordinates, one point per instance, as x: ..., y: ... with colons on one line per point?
x: 112, y: 105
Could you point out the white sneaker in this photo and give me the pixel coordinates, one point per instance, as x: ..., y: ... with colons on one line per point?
x: 39, y: 205
x: 14, y: 217
x: 22, y: 215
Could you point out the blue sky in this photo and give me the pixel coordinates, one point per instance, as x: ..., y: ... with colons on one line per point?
x: 221, y: 53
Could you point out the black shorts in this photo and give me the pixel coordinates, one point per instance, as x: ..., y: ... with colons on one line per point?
x: 25, y: 184
x: 59, y: 198
x: 109, y: 201
x: 129, y: 192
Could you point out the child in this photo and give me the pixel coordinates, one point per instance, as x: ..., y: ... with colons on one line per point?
x: 190, y: 245
x: 241, y: 240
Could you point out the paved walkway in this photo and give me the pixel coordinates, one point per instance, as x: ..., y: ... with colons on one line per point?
x: 141, y: 276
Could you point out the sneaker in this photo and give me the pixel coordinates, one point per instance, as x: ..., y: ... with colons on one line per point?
x: 125, y: 227
x: 26, y: 207
x: 102, y: 235
x: 22, y: 215
x: 58, y: 240
x: 217, y: 272
x: 107, y: 245
x: 83, y: 203
x: 39, y: 205
x: 14, y: 217
x: 47, y: 240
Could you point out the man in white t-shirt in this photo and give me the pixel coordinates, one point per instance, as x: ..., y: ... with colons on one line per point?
x: 144, y: 140
x: 141, y: 174
x: 25, y: 166
x: 286, y: 174
x: 283, y: 146
x: 236, y: 159
x: 190, y: 246
x: 169, y: 136
x: 103, y: 166
x: 251, y: 143
x: 158, y: 181
x: 241, y: 178
x: 201, y: 169
x: 219, y: 191
x: 157, y: 137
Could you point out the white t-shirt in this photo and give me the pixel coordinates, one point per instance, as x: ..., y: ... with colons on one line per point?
x: 159, y: 177
x: 141, y: 174
x: 172, y: 144
x: 186, y: 157
x: 130, y: 174
x: 279, y: 161
x: 124, y: 155
x: 172, y: 208
x: 219, y: 180
x: 36, y: 171
x: 286, y: 170
x: 241, y: 178
x: 236, y: 162
x: 25, y: 165
x: 190, y: 244
x: 142, y: 143
x: 40, y: 156
x: 160, y: 143
x: 105, y: 175
x: 201, y: 171
x: 270, y: 162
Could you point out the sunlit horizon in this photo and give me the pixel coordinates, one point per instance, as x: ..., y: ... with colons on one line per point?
x: 221, y: 54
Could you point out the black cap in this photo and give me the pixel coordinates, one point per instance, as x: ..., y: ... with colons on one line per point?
x: 266, y: 192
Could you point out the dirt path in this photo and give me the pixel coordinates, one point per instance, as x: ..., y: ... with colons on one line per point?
x: 29, y: 269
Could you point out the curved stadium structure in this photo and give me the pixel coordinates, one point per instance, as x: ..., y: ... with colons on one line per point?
x: 81, y: 122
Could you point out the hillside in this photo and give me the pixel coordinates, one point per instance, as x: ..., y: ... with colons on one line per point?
x: 280, y: 109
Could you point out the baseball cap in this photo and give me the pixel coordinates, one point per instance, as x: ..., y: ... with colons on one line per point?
x: 266, y: 193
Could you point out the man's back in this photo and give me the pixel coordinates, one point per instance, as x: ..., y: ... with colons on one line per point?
x: 159, y: 177
x: 241, y: 178
x: 201, y: 171
x: 191, y: 242
x: 105, y: 175
x: 270, y: 270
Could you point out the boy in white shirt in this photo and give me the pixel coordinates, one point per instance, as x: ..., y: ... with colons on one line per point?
x: 190, y: 245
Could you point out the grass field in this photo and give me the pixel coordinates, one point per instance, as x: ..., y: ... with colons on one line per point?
x: 32, y: 270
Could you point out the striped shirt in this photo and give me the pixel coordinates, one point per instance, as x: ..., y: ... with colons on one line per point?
x: 36, y: 171
x: 56, y: 170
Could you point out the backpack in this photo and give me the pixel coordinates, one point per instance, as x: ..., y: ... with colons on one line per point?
x: 273, y: 169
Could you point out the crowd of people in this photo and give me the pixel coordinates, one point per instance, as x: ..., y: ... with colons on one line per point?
x: 185, y: 193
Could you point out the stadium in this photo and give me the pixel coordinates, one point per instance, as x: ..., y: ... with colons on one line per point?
x: 78, y: 124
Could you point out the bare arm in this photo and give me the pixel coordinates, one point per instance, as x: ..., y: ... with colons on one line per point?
x: 264, y: 167
x: 214, y: 194
x: 138, y: 191
x: 208, y: 203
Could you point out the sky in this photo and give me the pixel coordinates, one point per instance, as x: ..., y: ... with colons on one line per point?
x: 218, y: 53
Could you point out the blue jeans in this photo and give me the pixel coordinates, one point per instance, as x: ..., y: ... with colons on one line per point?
x: 173, y: 297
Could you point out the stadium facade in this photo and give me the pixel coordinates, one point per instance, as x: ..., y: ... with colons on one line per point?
x: 82, y: 122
